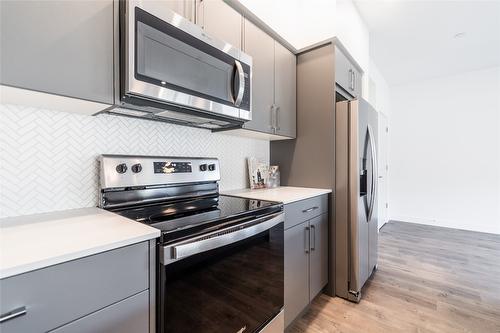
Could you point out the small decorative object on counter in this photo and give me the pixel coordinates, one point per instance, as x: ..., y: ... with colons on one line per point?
x: 274, y: 177
x: 258, y: 172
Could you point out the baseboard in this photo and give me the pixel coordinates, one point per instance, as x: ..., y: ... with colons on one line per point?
x: 412, y: 219
x: 440, y: 223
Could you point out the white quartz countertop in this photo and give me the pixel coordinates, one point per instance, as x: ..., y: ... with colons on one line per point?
x: 284, y: 194
x: 37, y: 241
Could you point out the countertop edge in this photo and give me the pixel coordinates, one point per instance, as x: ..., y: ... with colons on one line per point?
x: 260, y: 193
x: 21, y: 269
x: 305, y: 197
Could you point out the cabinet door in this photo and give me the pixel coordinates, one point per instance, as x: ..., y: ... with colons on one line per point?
x: 285, y: 80
x: 58, y: 47
x: 61, y: 293
x: 219, y: 20
x: 357, y: 82
x: 261, y: 47
x: 343, y: 71
x: 318, y: 259
x: 296, y: 270
x: 128, y: 316
x: 185, y: 8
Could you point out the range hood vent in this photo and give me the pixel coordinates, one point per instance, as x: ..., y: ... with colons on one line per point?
x: 151, y: 110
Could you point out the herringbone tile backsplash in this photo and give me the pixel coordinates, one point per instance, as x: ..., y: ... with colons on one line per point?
x: 48, y: 159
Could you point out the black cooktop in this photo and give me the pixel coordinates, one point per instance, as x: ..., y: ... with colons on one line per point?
x: 194, y: 216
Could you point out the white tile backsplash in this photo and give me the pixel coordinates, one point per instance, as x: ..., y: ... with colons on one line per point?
x: 48, y: 159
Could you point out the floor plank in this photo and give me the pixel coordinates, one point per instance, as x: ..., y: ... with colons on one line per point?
x: 429, y: 279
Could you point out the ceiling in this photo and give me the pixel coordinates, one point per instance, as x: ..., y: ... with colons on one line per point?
x: 300, y: 22
x: 415, y: 40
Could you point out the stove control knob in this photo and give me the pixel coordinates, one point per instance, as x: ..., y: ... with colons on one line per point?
x: 121, y: 168
x: 203, y: 167
x: 136, y: 168
x: 211, y: 167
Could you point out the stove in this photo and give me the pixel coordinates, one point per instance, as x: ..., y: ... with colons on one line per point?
x: 220, y: 258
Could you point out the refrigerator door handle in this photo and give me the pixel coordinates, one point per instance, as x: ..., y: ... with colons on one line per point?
x: 374, y: 182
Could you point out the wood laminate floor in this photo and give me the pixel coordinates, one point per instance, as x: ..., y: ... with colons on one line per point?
x: 429, y: 279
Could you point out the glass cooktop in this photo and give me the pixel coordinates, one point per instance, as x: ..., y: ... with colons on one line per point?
x: 193, y: 216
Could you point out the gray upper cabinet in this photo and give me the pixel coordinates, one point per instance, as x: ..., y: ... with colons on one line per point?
x: 185, y: 8
x: 296, y: 272
x: 219, y: 20
x: 347, y: 75
x: 318, y: 264
x: 261, y: 47
x: 273, y: 84
x: 285, y: 80
x: 58, y: 47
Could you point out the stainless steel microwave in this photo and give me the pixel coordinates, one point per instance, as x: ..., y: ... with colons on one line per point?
x: 171, y: 70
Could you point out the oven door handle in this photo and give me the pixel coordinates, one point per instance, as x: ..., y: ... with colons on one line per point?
x: 219, y: 238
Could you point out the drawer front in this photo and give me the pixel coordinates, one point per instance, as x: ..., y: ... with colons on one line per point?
x: 304, y: 210
x: 128, y: 316
x: 56, y: 295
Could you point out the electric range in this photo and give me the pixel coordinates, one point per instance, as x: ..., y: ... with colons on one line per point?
x: 220, y: 258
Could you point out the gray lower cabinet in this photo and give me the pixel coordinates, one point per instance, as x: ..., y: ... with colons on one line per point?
x: 306, y: 255
x: 318, y: 256
x: 58, y: 47
x: 60, y: 294
x: 296, y: 271
x: 128, y: 316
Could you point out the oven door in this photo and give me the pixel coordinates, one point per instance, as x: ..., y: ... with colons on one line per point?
x: 171, y: 60
x: 227, y: 281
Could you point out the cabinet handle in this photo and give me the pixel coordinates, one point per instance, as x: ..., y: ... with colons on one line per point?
x: 273, y: 118
x: 13, y: 314
x: 278, y: 108
x: 350, y: 78
x: 307, y: 235
x: 313, y: 228
x: 310, y: 209
x: 355, y: 78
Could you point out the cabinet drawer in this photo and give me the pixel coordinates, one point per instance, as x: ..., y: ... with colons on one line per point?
x: 303, y: 210
x: 61, y: 293
x: 128, y: 316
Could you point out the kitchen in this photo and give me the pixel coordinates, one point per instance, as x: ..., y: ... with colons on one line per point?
x: 127, y: 131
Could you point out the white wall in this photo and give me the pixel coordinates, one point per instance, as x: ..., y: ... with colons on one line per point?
x: 445, y: 151
x: 48, y: 159
x: 379, y: 92
x: 353, y: 32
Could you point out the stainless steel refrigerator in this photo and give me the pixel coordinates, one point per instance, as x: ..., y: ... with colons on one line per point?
x: 356, y: 232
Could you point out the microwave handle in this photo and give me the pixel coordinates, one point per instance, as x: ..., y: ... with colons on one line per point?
x: 240, y: 91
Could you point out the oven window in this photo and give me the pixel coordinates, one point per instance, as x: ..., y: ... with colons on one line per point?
x: 237, y: 288
x: 168, y: 57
